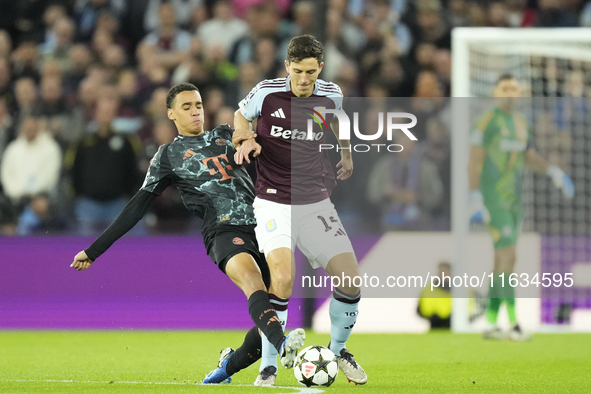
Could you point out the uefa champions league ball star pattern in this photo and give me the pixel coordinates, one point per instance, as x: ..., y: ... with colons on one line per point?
x: 316, y: 366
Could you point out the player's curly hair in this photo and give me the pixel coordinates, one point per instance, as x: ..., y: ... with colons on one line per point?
x: 303, y: 47
x: 176, y: 89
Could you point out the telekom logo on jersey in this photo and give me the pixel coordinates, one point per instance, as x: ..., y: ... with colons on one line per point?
x: 392, y: 123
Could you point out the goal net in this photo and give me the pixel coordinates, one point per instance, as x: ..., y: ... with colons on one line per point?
x: 554, y: 69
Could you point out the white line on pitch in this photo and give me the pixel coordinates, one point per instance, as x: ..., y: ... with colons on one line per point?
x: 301, y: 390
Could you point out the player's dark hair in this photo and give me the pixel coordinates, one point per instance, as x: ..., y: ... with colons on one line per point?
x: 303, y: 47
x: 504, y: 77
x: 178, y: 88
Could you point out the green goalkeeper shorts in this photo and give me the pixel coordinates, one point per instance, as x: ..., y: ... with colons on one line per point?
x: 504, y: 224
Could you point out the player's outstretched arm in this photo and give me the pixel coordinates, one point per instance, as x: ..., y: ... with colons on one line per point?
x: 345, y: 166
x: 135, y: 209
x: 560, y: 180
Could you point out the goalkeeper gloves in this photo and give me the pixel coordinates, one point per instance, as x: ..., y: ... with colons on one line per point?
x: 478, y: 212
x: 561, y: 181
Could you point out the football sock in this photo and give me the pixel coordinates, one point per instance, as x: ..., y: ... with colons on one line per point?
x: 343, y: 312
x: 264, y: 316
x: 269, y: 350
x: 247, y: 354
x: 494, y: 299
x: 510, y: 300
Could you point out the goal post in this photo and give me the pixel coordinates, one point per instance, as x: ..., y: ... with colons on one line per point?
x: 565, y: 43
x: 542, y: 60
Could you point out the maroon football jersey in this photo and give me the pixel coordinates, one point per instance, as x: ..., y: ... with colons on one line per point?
x: 291, y: 169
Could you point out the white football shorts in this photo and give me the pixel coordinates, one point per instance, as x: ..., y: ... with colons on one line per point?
x: 314, y: 228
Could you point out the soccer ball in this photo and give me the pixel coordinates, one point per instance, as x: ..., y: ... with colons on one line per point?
x: 316, y: 366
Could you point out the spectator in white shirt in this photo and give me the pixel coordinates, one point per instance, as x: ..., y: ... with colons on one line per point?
x: 31, y: 164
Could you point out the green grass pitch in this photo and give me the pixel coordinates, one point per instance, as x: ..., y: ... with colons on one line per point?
x: 174, y: 361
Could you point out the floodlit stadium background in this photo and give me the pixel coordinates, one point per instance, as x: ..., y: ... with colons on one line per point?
x: 59, y: 58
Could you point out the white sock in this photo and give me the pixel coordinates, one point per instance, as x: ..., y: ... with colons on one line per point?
x: 343, y: 312
x: 268, y: 351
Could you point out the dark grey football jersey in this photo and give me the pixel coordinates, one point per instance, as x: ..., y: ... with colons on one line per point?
x: 210, y: 183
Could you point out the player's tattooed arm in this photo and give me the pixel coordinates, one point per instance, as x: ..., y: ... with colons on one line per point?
x: 345, y: 166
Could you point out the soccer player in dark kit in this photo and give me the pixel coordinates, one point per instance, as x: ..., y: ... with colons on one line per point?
x: 201, y: 165
x: 292, y: 205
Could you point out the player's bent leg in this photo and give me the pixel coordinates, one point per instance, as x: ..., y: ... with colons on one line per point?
x: 279, y: 256
x: 325, y: 243
x: 343, y: 311
x: 282, y: 269
x: 344, y: 266
x: 243, y: 271
x: 233, y: 361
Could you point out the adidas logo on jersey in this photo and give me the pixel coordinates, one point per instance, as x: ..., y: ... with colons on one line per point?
x: 295, y: 134
x: 278, y: 114
x: 188, y: 154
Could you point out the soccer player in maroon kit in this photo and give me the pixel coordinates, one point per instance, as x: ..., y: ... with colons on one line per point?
x: 294, y: 182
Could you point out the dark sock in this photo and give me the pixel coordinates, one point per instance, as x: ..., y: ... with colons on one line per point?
x: 247, y: 354
x: 264, y: 316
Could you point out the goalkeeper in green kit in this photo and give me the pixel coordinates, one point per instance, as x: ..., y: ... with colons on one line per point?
x: 500, y: 146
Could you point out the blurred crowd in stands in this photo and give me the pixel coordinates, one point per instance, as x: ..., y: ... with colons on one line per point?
x: 83, y: 86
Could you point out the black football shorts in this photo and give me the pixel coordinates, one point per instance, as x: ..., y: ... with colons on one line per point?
x: 225, y: 242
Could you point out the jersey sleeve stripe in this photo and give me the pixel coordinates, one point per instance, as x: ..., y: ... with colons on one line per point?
x: 330, y: 91
x: 251, y: 105
x: 323, y: 85
x: 271, y: 85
